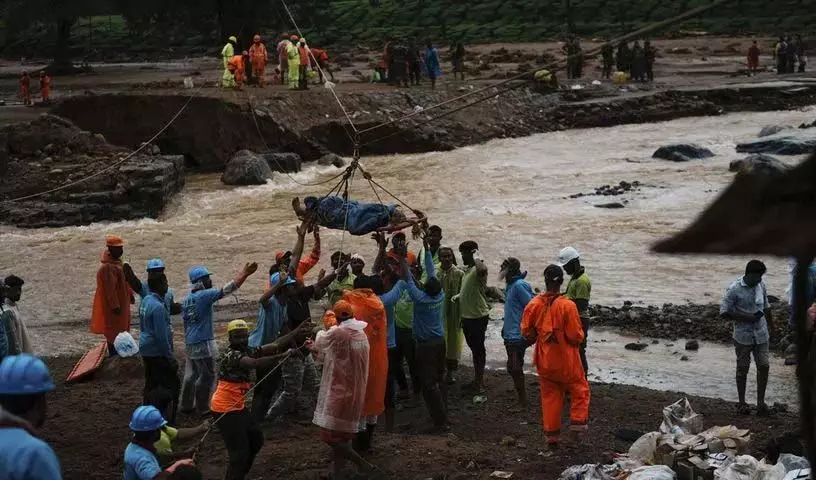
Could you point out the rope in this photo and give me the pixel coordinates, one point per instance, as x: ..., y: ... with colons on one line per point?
x: 560, y: 63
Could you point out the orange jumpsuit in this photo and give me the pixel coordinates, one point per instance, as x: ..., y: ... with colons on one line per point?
x: 368, y: 308
x: 236, y: 66
x: 553, y: 321
x: 258, y: 58
x: 25, y: 89
x: 45, y: 88
x: 112, y: 291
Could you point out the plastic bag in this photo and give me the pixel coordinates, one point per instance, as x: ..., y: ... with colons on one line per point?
x: 745, y: 467
x: 645, y: 447
x: 680, y: 414
x: 588, y: 471
x: 770, y: 472
x: 125, y: 345
x: 793, y: 462
x: 654, y: 472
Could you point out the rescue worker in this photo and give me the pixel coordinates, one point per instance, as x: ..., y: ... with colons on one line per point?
x: 303, y: 56
x: 45, y: 87
x: 517, y: 294
x: 475, y: 309
x: 551, y: 322
x: 155, y: 266
x: 451, y: 277
x: 415, y: 62
x: 781, y: 56
x: 242, y: 435
x: 432, y: 64
x: 344, y: 351
x: 651, y: 55
x: 293, y: 57
x: 236, y: 67
x: 25, y: 88
x: 753, y: 59
x: 458, y: 60
x: 320, y: 62
x: 801, y: 54
x: 283, y: 59
x: 24, y: 383
x: 16, y: 331
x: 111, y: 306
x: 579, y: 290
x: 608, y: 60
x: 623, y: 59
x: 791, y: 55
x: 638, y: 62
x: 141, y: 460
x: 259, y: 57
x: 227, y: 53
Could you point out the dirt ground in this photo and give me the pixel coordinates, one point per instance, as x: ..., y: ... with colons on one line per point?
x: 87, y: 426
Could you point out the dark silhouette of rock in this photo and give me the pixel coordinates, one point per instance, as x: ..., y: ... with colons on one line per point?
x: 782, y: 144
x: 769, y: 130
x: 611, y: 205
x: 635, y: 346
x: 682, y: 152
x: 247, y: 168
x: 283, y: 162
x: 759, y: 164
x: 692, y: 345
x: 331, y: 159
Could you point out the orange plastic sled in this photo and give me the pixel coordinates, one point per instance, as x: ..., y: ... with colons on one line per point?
x: 89, y: 363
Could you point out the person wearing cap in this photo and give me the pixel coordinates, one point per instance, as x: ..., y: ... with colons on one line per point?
x: 283, y: 60
x: 434, y: 240
x: 517, y: 295
x: 293, y: 59
x: 227, y: 79
x: 155, y: 266
x: 344, y: 351
x: 156, y: 342
x: 745, y: 303
x: 284, y: 259
x: 474, y: 309
x: 199, y: 334
x: 303, y: 55
x: 551, y: 321
x: 24, y: 383
x: 578, y: 290
x: 16, y: 331
x: 429, y: 336
x: 344, y: 281
x: 241, y: 433
x: 451, y: 277
x: 111, y: 306
x: 141, y: 461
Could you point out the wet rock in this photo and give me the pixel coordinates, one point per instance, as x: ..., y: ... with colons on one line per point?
x: 610, y: 205
x: 759, y: 164
x: 769, y: 130
x: 283, y: 162
x: 808, y: 125
x: 331, y: 159
x: 684, y: 358
x: 635, y: 346
x: 692, y: 345
x: 782, y: 144
x: 682, y: 152
x: 494, y: 294
x: 247, y: 168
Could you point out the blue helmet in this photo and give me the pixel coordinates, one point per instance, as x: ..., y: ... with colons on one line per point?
x: 24, y: 374
x: 197, y: 273
x: 155, y: 264
x: 146, y: 419
x: 273, y: 279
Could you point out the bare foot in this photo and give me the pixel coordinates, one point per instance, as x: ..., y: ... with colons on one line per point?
x: 298, y: 208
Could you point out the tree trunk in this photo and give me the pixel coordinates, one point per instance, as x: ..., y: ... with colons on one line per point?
x: 62, y: 57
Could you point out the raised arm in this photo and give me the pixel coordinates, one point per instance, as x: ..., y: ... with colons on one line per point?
x: 416, y: 294
x: 430, y: 268
x: 379, y: 262
x: 309, y: 262
x: 132, y: 279
x: 297, y: 252
x: 392, y: 297
x: 298, y: 335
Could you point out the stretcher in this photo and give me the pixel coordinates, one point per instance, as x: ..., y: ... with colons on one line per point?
x: 90, y: 362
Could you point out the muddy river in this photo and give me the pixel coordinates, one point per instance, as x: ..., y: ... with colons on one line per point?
x: 511, y: 196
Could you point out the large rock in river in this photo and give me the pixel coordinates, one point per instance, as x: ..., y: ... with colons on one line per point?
x: 769, y: 130
x: 759, y: 164
x: 247, y: 168
x: 782, y: 144
x: 682, y: 152
x: 283, y: 162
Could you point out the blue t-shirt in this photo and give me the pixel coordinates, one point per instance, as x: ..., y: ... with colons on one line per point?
x: 169, y: 297
x: 140, y: 463
x: 517, y: 294
x: 270, y: 322
x: 390, y: 301
x: 24, y: 457
x: 197, y: 313
x: 155, y: 329
x: 427, y: 309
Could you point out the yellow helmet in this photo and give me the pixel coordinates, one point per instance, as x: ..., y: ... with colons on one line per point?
x: 237, y: 325
x: 233, y: 39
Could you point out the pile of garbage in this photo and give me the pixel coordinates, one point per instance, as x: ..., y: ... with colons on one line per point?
x: 680, y: 449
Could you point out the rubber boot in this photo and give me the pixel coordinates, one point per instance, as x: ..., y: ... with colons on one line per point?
x: 450, y: 371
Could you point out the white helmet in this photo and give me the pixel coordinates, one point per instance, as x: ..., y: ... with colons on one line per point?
x: 567, y: 255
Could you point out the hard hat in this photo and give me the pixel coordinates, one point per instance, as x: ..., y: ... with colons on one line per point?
x: 256, y: 38
x: 146, y: 419
x: 24, y: 374
x: 155, y: 264
x: 567, y: 255
x: 303, y: 40
x: 281, y: 255
x: 343, y: 309
x: 233, y: 39
x: 114, y: 241
x: 237, y: 325
x: 293, y: 38
x: 197, y: 273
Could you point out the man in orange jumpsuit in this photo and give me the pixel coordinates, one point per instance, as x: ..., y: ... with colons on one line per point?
x: 303, y: 50
x: 552, y: 321
x: 111, y: 307
x: 258, y: 57
x: 45, y: 87
x: 321, y: 60
x: 368, y: 308
x: 236, y: 66
x: 25, y: 88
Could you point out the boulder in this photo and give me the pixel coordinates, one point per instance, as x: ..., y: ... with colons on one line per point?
x: 331, y: 159
x: 769, y: 130
x: 246, y: 168
x: 693, y: 345
x: 610, y: 205
x: 283, y: 162
x: 682, y: 152
x: 783, y: 144
x: 759, y: 164
x: 494, y: 294
x: 636, y: 346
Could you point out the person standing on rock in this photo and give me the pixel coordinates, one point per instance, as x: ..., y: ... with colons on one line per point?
x: 458, y: 60
x: 474, y: 309
x: 293, y: 57
x: 303, y: 56
x: 579, y: 290
x: 451, y: 277
x: 651, y: 55
x: 111, y: 306
x: 17, y: 333
x: 45, y: 87
x: 781, y: 56
x: 551, y: 322
x: 199, y: 335
x: 25, y: 88
x: 753, y: 59
x: 283, y: 59
x: 801, y: 53
x: 517, y: 294
x: 746, y: 304
x: 432, y: 64
x: 259, y: 57
x: 623, y: 59
x: 227, y: 79
x: 608, y: 60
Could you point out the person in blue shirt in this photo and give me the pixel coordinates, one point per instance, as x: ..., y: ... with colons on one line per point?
x: 517, y: 294
x: 429, y: 337
x: 141, y: 461
x: 155, y: 266
x: 156, y: 342
x: 199, y: 335
x: 390, y: 300
x: 432, y: 64
x: 24, y: 383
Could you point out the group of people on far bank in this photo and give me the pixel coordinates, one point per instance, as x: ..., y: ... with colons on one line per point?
x: 789, y: 55
x: 45, y: 88
x: 405, y: 63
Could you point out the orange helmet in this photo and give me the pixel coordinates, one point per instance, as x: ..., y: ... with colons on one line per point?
x: 294, y: 38
x: 256, y: 39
